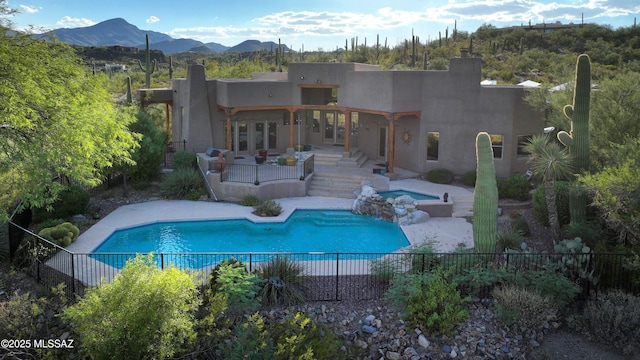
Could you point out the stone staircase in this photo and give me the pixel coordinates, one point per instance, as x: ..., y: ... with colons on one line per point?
x: 344, y: 185
x: 462, y: 205
x: 355, y: 159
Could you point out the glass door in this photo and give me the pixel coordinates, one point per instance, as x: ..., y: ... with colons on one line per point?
x: 329, y: 122
x: 334, y: 127
x: 258, y: 136
x: 243, y: 137
x: 272, y: 132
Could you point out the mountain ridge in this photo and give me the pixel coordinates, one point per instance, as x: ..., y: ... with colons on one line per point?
x: 119, y: 32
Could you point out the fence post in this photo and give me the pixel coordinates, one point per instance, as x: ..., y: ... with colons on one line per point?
x: 73, y: 275
x: 257, y: 182
x: 161, y: 261
x: 250, y: 264
x: 337, y: 277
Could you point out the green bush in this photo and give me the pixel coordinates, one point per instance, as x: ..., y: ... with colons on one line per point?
x: 520, y: 224
x: 429, y: 300
x: 182, y: 184
x: 145, y: 312
x: 267, y: 208
x: 613, y: 317
x: 297, y: 337
x: 251, y: 340
x: 469, y: 178
x: 184, y: 159
x: 4, y: 241
x: 540, y: 213
x: 522, y: 310
x: 148, y: 156
x: 61, y: 234
x: 479, y: 280
x: 231, y: 279
x: 559, y: 290
x: 283, y: 282
x: 515, y: 187
x: 591, y: 232
x: 250, y: 200
x: 71, y: 201
x: 509, y: 238
x: 440, y: 176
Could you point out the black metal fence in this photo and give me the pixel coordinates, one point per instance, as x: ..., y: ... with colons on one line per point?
x: 259, y: 173
x: 330, y: 276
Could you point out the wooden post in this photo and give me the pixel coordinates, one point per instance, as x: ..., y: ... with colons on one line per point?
x: 392, y: 141
x: 347, y: 130
x: 291, y: 127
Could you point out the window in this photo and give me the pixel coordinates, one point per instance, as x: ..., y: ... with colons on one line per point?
x: 496, y: 143
x: 523, y: 140
x: 433, y: 143
x: 285, y: 119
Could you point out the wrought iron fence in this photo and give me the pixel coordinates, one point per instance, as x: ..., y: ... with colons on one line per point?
x: 259, y: 173
x: 329, y: 276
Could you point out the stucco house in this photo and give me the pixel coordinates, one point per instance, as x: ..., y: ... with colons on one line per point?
x: 416, y: 120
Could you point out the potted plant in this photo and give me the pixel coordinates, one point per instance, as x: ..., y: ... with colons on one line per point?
x: 282, y: 161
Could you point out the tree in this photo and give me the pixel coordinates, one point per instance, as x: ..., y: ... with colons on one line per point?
x: 549, y: 163
x: 616, y: 193
x: 55, y: 120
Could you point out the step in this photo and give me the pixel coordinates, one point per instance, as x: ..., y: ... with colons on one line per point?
x: 462, y: 205
x: 355, y: 161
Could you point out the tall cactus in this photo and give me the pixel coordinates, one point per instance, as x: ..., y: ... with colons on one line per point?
x: 485, y: 197
x: 129, y: 95
x: 149, y: 67
x: 577, y: 139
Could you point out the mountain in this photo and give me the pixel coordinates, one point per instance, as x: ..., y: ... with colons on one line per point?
x: 119, y: 32
x: 255, y: 45
x: 110, y: 32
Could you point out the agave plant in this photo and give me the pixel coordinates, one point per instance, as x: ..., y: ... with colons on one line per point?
x: 283, y: 282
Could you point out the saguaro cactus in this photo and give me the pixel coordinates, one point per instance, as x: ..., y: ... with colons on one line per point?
x: 129, y: 96
x: 485, y: 197
x: 577, y: 139
x: 149, y: 67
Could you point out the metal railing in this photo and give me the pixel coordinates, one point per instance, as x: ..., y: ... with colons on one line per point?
x: 328, y: 276
x: 259, y: 173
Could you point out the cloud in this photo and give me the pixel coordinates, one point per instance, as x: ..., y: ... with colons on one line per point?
x: 29, y: 9
x: 69, y: 22
x: 152, y: 19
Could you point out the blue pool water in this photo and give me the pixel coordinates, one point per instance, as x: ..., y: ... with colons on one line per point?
x: 418, y: 196
x: 321, y: 231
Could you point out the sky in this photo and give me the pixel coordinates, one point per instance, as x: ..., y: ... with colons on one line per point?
x: 314, y: 25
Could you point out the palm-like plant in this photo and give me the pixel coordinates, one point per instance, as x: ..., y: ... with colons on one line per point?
x: 549, y: 162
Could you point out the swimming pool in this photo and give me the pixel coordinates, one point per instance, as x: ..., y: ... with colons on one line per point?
x: 418, y: 196
x: 306, y: 231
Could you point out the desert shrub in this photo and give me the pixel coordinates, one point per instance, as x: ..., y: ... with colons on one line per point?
x: 250, y: 200
x: 614, y: 318
x: 184, y: 159
x: 4, y: 241
x: 522, y: 310
x: 479, y: 280
x: 283, y: 281
x: 251, y: 340
x: 297, y: 337
x: 520, y: 224
x: 145, y: 312
x: 61, y: 234
x: 591, y: 232
x: 50, y: 223
x: 556, y: 288
x: 515, y: 187
x: 238, y: 286
x: 469, y: 178
x: 440, y: 176
x: 509, y: 238
x: 182, y: 184
x: 429, y: 300
x: 540, y: 212
x: 267, y: 208
x: 148, y: 156
x: 71, y: 201
x: 19, y: 316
